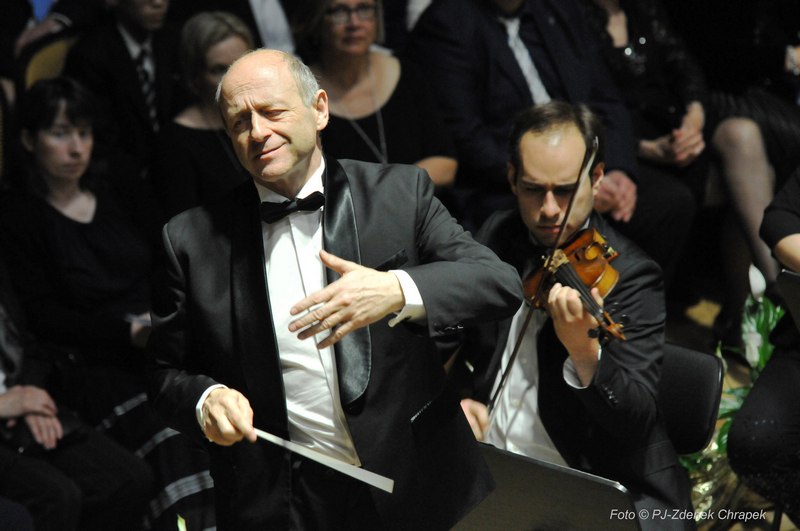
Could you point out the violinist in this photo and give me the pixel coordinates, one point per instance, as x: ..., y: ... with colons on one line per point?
x: 572, y: 393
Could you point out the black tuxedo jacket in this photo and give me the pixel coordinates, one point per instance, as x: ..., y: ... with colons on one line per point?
x: 101, y: 62
x: 613, y: 427
x: 480, y: 86
x: 213, y: 326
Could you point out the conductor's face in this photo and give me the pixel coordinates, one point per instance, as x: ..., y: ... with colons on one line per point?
x: 274, y: 132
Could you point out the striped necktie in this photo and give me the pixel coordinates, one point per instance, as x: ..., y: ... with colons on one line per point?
x: 148, y: 87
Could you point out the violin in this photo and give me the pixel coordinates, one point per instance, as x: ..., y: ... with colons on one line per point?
x: 582, y: 264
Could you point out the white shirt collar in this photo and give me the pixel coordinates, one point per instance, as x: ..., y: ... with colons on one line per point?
x: 134, y: 47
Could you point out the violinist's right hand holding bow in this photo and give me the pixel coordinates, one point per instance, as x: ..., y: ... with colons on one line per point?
x: 573, y: 326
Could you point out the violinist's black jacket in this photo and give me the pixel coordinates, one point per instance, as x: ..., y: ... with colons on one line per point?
x: 613, y: 427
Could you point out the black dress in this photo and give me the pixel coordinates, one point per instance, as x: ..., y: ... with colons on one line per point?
x: 657, y: 78
x: 193, y: 167
x: 413, y: 126
x: 764, y: 438
x: 79, y: 284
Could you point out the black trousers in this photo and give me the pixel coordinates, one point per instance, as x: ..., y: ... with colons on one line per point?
x: 326, y: 500
x: 764, y: 440
x: 88, y: 483
x: 14, y: 517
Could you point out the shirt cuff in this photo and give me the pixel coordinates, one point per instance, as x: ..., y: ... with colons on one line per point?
x: 414, y: 310
x: 571, y: 374
x: 198, y: 409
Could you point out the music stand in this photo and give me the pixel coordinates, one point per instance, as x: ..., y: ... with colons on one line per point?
x: 536, y: 495
x: 789, y: 286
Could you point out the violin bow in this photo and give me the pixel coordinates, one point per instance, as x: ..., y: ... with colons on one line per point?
x: 588, y: 158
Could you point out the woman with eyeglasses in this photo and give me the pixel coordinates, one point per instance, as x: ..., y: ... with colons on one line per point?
x: 381, y: 108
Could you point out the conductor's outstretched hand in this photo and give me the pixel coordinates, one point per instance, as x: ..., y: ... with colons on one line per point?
x: 359, y: 298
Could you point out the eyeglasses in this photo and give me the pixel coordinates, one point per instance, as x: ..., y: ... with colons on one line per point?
x: 341, y: 14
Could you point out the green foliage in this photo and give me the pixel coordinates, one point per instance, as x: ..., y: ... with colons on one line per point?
x: 758, y: 319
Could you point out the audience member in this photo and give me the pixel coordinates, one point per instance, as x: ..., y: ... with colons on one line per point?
x: 274, y: 23
x: 129, y: 62
x: 570, y: 397
x: 764, y: 438
x: 78, y: 15
x: 381, y: 109
x: 68, y: 475
x: 743, y: 44
x: 277, y: 24
x: 195, y: 162
x: 82, y: 270
x: 667, y: 97
x: 489, y: 59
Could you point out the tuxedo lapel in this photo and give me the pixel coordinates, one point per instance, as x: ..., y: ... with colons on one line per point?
x: 254, y: 334
x: 340, y: 237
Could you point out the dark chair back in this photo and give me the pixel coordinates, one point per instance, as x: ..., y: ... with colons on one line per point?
x: 689, y: 395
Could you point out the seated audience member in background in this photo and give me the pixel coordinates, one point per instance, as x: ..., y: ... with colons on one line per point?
x: 129, y: 62
x: 570, y: 398
x: 744, y: 44
x: 82, y: 268
x: 487, y: 60
x: 765, y: 435
x: 67, y: 474
x: 674, y: 120
x: 195, y: 162
x: 381, y: 108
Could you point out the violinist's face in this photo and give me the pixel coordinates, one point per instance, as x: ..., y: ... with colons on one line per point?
x: 550, y: 162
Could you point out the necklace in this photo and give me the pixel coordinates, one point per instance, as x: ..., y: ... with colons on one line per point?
x: 382, y: 154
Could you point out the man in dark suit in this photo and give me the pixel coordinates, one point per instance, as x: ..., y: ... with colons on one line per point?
x: 485, y: 64
x: 129, y: 62
x: 291, y: 315
x: 481, y: 85
x: 569, y: 397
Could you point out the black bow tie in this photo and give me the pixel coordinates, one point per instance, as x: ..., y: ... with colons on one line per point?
x: 272, y: 212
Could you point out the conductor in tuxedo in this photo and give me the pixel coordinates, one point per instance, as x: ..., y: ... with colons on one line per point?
x: 317, y: 324
x: 569, y: 397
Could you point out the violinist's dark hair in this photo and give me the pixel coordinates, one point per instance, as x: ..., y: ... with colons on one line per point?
x: 552, y: 115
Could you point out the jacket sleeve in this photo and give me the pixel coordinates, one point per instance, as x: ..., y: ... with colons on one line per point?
x: 623, y: 394
x: 461, y: 281
x: 174, y: 389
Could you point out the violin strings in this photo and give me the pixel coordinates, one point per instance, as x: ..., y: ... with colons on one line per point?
x: 569, y: 277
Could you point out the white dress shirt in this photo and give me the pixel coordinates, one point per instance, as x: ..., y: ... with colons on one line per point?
x: 294, y: 270
x: 515, y: 424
